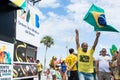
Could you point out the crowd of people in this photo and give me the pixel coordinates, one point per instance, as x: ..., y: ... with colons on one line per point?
x: 83, y: 66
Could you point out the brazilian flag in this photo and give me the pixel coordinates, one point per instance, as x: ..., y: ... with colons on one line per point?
x: 96, y: 17
x: 113, y: 49
x: 19, y: 3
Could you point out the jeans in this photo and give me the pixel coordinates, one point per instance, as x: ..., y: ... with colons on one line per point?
x: 39, y: 75
x: 85, y: 76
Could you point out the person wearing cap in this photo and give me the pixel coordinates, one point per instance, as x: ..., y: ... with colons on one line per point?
x: 85, y: 58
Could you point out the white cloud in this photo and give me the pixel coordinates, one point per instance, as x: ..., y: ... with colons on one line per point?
x: 41, y: 15
x: 61, y: 28
x: 57, y: 26
x: 49, y: 3
x: 51, y: 14
x: 77, y: 8
x: 75, y: 1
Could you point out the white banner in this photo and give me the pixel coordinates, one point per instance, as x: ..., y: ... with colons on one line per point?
x: 28, y: 26
x: 6, y: 52
x: 6, y: 72
x: 6, y: 60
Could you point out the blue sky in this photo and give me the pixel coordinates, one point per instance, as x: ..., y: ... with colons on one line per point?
x: 60, y: 18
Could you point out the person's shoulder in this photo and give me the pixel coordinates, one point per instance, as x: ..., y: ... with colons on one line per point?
x: 79, y: 48
x: 109, y: 57
x: 99, y: 57
x: 38, y: 64
x: 91, y: 49
x: 74, y: 55
x: 115, y: 62
x: 67, y: 57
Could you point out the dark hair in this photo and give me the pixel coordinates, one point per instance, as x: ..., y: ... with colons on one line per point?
x: 117, y: 52
x: 84, y: 44
x: 37, y: 61
x: 71, y: 50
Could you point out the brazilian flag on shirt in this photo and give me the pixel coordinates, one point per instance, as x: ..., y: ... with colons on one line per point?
x: 96, y: 17
x: 19, y: 3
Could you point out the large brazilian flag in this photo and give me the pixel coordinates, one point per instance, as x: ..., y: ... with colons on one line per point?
x: 19, y: 3
x: 96, y: 17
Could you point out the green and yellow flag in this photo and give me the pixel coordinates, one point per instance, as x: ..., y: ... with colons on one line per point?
x: 19, y: 3
x: 113, y: 49
x: 96, y: 17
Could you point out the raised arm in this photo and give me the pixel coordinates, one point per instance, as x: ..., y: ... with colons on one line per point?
x: 96, y: 40
x: 77, y: 39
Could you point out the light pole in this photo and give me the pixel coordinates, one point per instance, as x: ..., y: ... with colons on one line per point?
x: 34, y: 1
x: 67, y: 48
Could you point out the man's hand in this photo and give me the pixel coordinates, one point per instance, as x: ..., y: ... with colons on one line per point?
x: 77, y: 39
x: 96, y: 71
x: 98, y: 34
x: 96, y: 40
x: 76, y: 31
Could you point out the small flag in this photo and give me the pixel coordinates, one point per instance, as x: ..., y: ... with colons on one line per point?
x: 96, y: 17
x: 19, y: 3
x: 113, y: 49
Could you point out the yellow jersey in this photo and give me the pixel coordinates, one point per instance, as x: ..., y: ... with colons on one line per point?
x: 70, y: 60
x: 39, y: 67
x: 85, y: 61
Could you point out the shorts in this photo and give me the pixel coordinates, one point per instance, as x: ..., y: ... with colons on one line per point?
x: 52, y: 71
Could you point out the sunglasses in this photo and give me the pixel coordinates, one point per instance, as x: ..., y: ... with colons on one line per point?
x: 103, y: 51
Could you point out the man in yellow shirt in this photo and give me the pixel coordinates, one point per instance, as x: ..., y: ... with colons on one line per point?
x: 85, y: 58
x: 39, y: 67
x: 71, y: 61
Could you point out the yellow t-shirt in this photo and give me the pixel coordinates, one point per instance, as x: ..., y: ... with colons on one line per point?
x: 39, y: 67
x: 70, y: 60
x: 85, y: 61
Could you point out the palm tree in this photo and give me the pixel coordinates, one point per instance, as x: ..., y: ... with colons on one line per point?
x: 47, y: 41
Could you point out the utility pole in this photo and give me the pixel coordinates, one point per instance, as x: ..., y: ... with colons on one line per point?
x: 67, y: 47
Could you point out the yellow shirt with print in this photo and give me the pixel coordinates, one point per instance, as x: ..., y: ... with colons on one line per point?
x: 70, y: 60
x: 85, y: 61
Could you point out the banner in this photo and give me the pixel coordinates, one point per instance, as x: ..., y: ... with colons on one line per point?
x: 6, y: 52
x: 6, y: 72
x: 24, y: 52
x: 6, y: 60
x: 28, y: 26
x: 24, y: 70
